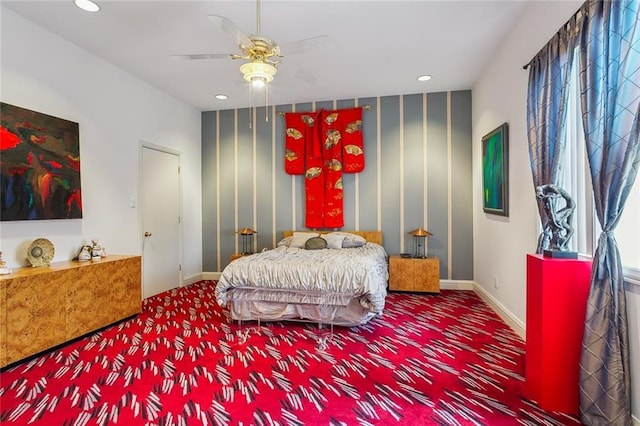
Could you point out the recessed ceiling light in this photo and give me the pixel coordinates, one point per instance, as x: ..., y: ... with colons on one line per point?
x: 87, y: 5
x: 424, y: 78
x: 222, y: 97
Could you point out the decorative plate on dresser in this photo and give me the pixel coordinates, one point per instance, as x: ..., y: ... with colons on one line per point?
x: 40, y: 252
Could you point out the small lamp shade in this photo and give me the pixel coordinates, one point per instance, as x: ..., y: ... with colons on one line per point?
x: 246, y: 242
x: 247, y: 231
x: 419, y: 236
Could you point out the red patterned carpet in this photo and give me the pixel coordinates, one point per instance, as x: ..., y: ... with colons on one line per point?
x: 431, y: 359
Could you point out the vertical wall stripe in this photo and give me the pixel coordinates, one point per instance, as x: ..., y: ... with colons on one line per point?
x: 235, y: 177
x: 367, y: 190
x: 293, y: 203
x: 379, y: 165
x: 356, y: 187
x: 263, y: 180
x: 436, y: 169
x: 425, y: 182
x: 246, y: 125
x: 390, y: 171
x: 211, y: 196
x: 273, y: 177
x: 462, y: 192
x: 413, y: 168
x: 254, y: 193
x: 293, y: 194
x: 348, y: 179
x: 401, y: 116
x: 218, y: 189
x: 283, y: 180
x: 449, y: 194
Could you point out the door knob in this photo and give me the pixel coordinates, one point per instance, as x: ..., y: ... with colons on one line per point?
x: 147, y: 234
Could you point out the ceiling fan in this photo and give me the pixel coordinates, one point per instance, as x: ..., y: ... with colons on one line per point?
x: 260, y: 53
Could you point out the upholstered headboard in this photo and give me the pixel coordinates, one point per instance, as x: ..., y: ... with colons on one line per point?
x: 371, y: 236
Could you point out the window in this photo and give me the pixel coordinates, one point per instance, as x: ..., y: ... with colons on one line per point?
x: 575, y: 178
x: 628, y: 234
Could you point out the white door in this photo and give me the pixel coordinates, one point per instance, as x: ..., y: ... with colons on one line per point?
x: 160, y: 205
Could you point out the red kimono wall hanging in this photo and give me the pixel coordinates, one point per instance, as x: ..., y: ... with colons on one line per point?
x: 323, y: 145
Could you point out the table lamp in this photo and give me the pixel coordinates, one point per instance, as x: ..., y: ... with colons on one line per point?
x: 419, y: 236
x: 246, y: 243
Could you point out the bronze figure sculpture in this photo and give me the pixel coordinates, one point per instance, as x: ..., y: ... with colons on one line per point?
x: 558, y: 208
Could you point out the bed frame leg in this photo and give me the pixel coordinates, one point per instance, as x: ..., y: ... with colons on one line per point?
x: 324, y: 341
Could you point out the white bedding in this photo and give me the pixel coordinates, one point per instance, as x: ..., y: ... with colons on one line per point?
x: 297, y: 281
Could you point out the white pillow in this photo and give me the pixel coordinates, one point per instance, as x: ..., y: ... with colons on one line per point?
x: 334, y: 241
x: 350, y: 240
x: 286, y: 241
x: 300, y: 238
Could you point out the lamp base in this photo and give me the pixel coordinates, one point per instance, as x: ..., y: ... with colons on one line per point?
x: 419, y: 257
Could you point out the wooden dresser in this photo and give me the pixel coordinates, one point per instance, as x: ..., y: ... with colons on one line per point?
x: 414, y: 274
x: 43, y: 307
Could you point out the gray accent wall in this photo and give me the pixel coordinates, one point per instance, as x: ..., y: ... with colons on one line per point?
x: 417, y: 173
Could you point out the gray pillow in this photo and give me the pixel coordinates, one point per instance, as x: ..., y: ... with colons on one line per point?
x: 315, y: 243
x: 351, y: 240
x: 300, y: 238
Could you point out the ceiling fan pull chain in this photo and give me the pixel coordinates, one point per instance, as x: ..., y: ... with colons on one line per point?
x: 250, y: 105
x: 266, y: 103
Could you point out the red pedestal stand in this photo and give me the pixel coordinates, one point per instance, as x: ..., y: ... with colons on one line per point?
x: 557, y: 292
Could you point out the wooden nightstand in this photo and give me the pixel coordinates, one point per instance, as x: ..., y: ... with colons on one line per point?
x: 412, y: 274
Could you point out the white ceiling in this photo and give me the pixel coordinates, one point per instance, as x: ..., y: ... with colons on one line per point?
x: 376, y: 48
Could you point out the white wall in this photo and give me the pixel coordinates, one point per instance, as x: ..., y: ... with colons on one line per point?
x: 501, y: 244
x: 43, y: 72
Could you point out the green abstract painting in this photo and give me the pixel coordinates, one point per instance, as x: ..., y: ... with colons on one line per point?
x: 495, y: 171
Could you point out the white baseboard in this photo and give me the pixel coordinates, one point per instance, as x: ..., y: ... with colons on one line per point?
x: 191, y: 279
x: 512, y: 321
x: 210, y: 275
x: 635, y: 420
x: 456, y: 285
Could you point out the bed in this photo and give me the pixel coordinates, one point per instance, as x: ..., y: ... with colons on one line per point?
x: 343, y: 284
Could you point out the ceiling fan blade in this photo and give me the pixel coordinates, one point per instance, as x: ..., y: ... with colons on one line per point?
x: 306, y: 44
x: 306, y: 76
x: 230, y: 28
x: 204, y: 56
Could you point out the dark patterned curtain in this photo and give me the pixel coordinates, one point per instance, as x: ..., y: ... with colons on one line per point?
x: 546, y: 111
x: 610, y: 86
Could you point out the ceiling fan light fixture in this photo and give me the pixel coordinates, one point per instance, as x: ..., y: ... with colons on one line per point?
x: 87, y: 5
x: 258, y: 82
x: 258, y: 73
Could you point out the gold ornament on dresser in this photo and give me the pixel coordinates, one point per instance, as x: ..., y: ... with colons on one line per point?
x: 4, y: 269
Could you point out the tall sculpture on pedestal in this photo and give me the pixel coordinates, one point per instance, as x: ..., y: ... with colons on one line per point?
x: 558, y: 209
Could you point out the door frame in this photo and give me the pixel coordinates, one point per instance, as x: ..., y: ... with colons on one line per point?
x: 142, y: 145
